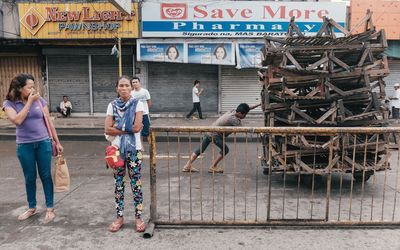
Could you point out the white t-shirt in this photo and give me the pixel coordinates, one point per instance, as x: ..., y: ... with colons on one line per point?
x: 64, y: 105
x: 396, y: 103
x: 139, y: 108
x: 142, y: 95
x: 195, y: 97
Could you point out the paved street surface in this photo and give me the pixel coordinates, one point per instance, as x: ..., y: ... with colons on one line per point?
x: 84, y: 212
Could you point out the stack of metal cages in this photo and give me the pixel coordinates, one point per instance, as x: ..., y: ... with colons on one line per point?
x: 329, y: 81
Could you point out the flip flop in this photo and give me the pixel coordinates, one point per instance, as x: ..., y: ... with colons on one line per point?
x: 27, y: 214
x: 140, y: 226
x: 50, y: 215
x: 215, y: 170
x: 115, y: 226
x: 191, y: 169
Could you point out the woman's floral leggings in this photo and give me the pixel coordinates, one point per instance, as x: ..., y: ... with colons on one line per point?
x: 133, y: 163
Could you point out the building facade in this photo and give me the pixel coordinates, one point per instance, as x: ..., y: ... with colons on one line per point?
x: 67, y: 48
x: 385, y: 15
x: 197, y: 29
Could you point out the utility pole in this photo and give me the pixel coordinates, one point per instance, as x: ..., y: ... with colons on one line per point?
x: 120, y: 57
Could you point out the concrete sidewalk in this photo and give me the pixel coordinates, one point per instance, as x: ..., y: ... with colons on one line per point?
x: 91, y: 122
x: 92, y: 128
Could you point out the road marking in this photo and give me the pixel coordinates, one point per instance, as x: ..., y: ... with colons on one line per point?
x: 170, y: 156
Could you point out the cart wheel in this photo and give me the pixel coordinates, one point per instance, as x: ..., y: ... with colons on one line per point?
x: 358, y: 177
x: 307, y: 180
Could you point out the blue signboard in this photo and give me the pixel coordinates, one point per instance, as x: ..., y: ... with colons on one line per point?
x: 211, y: 53
x: 161, y: 52
x: 249, y: 55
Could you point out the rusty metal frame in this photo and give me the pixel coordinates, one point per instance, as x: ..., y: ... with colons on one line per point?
x: 326, y: 222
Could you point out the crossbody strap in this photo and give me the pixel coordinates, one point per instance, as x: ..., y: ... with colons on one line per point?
x: 45, y: 120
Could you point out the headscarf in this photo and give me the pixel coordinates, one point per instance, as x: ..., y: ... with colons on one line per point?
x: 125, y: 123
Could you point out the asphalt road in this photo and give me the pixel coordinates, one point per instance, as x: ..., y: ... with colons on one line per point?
x: 240, y: 194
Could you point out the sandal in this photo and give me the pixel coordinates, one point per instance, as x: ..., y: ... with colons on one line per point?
x: 27, y: 214
x: 140, y: 226
x: 215, y: 170
x: 50, y: 215
x: 116, y: 225
x: 189, y: 169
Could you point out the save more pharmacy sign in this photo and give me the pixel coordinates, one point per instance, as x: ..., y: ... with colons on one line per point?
x: 76, y: 21
x: 235, y: 18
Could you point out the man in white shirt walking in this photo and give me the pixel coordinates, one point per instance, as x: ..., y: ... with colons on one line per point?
x: 143, y: 96
x: 196, y: 92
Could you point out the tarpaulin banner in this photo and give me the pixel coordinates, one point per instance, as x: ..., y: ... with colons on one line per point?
x: 161, y: 52
x: 249, y: 54
x: 211, y: 53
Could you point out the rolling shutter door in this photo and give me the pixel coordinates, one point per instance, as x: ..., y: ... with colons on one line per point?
x: 10, y: 66
x: 394, y: 76
x: 170, y: 86
x: 104, y: 76
x: 68, y: 75
x: 238, y: 86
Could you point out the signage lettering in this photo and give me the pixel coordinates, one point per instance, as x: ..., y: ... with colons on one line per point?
x: 283, y: 12
x: 201, y: 11
x: 88, y: 26
x: 54, y: 15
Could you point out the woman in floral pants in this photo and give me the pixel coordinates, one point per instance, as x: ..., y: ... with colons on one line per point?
x: 134, y: 165
x: 124, y: 123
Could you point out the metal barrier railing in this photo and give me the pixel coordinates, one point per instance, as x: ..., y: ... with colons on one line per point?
x: 276, y: 176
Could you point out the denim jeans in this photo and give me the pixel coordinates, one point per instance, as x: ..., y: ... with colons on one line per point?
x: 36, y: 155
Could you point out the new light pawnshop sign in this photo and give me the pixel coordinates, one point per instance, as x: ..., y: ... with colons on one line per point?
x: 235, y: 18
x: 76, y: 21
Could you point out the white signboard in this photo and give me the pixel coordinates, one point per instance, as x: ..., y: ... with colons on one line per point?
x: 123, y: 5
x: 235, y: 18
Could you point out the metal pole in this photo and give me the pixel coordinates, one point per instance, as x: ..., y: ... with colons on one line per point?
x: 120, y: 57
x: 329, y: 179
x: 153, y: 182
x: 47, y: 89
x: 90, y: 84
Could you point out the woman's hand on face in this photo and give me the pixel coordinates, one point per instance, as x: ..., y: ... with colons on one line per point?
x: 60, y: 149
x: 33, y: 96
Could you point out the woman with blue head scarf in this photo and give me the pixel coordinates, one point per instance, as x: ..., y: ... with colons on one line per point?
x: 124, y: 121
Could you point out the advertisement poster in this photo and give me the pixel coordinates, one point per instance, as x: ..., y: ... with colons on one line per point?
x: 249, y: 55
x: 232, y: 19
x: 211, y: 53
x: 161, y: 52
